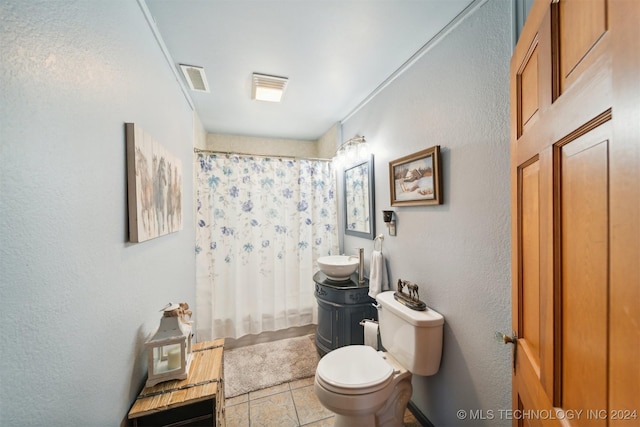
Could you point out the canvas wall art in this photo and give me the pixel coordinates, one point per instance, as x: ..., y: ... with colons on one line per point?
x: 154, y: 187
x: 415, y: 179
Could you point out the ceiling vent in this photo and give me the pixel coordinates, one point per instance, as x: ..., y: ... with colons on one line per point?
x: 268, y: 88
x: 195, y: 77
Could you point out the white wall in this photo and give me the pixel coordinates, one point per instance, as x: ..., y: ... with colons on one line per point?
x: 455, y: 96
x: 78, y: 300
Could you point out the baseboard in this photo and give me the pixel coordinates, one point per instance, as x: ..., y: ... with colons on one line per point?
x: 420, y: 417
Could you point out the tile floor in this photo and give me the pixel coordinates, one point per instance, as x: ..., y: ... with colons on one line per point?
x: 289, y: 404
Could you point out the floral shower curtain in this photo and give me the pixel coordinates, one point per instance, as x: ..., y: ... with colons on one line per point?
x: 261, y: 225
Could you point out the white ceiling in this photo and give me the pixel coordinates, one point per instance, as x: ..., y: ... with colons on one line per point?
x: 335, y: 53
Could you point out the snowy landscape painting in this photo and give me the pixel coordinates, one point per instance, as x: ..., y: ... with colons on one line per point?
x: 415, y: 179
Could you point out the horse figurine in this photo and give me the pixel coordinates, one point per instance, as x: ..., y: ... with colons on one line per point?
x: 413, y: 291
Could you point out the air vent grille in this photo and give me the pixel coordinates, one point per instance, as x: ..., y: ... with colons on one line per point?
x: 268, y: 88
x: 195, y: 77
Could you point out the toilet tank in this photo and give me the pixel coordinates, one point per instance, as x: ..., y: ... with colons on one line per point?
x: 413, y: 338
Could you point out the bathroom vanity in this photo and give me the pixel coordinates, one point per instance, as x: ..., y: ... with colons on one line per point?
x: 341, y: 308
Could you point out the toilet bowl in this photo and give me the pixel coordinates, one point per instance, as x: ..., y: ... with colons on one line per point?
x: 370, y: 388
x: 363, y: 387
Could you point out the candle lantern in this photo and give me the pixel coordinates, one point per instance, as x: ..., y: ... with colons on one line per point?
x: 169, y: 350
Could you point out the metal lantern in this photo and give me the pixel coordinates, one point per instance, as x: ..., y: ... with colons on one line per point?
x: 169, y: 350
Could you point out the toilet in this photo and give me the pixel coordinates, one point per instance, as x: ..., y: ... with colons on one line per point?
x: 365, y: 387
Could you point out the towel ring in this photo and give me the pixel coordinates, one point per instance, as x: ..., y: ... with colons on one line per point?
x: 379, y: 238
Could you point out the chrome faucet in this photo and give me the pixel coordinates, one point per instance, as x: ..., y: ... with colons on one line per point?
x: 360, y: 266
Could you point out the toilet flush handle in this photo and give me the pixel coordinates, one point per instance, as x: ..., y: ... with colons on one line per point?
x: 376, y: 305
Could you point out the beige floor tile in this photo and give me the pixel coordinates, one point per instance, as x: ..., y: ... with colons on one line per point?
x: 274, y: 410
x: 301, y: 383
x: 268, y: 391
x: 237, y: 415
x: 308, y: 406
x: 327, y: 422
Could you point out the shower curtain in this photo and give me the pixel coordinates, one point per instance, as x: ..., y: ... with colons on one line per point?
x: 261, y: 225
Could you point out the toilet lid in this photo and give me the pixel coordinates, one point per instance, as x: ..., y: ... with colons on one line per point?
x: 354, y: 369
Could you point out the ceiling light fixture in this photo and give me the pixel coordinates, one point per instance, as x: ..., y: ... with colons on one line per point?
x: 195, y: 77
x: 268, y: 88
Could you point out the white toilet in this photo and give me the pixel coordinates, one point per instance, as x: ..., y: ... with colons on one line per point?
x: 367, y: 388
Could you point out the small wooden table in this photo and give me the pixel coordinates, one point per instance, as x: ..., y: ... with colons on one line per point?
x: 192, y: 401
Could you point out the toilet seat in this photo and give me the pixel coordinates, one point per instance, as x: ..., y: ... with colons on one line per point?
x: 354, y: 369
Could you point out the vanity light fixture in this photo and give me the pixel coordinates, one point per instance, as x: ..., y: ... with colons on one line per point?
x: 387, y: 216
x: 268, y: 88
x: 355, y: 149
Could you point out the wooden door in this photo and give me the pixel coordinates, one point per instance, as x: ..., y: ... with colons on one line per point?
x: 575, y: 173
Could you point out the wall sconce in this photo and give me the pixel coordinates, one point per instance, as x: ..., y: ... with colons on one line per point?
x: 355, y: 149
x: 387, y: 216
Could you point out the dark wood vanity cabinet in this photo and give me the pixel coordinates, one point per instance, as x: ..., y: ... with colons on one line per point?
x: 341, y: 308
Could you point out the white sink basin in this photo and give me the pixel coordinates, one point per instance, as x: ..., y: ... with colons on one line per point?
x: 338, y: 267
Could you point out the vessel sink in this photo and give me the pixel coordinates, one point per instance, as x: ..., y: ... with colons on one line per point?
x: 338, y: 267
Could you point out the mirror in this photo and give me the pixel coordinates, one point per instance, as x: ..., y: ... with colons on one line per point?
x: 358, y: 199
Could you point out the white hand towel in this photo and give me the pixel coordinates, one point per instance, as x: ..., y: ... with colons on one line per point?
x: 378, y: 279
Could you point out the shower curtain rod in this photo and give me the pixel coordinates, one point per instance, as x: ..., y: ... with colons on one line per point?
x: 235, y: 153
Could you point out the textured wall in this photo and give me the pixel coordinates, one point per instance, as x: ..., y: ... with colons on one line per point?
x: 324, y: 147
x: 455, y: 96
x: 261, y: 146
x: 78, y: 299
x: 328, y: 142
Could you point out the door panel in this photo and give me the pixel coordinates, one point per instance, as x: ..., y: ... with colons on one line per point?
x: 583, y: 192
x: 575, y: 169
x: 528, y: 88
x: 530, y: 249
x: 582, y: 24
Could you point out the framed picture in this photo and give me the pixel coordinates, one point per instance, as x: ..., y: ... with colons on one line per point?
x: 154, y: 187
x: 415, y: 179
